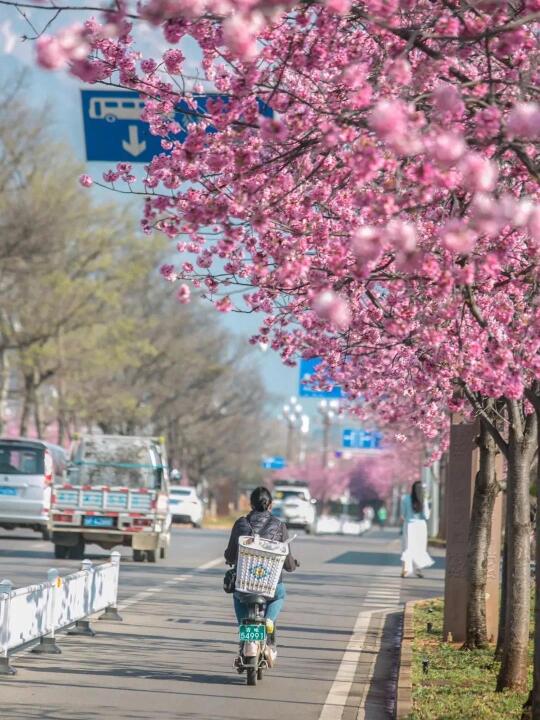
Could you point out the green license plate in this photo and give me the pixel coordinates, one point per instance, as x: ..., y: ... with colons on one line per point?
x: 252, y: 633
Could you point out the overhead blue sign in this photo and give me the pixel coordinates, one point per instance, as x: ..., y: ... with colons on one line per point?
x: 355, y: 439
x: 114, y: 131
x: 308, y: 367
x: 274, y: 463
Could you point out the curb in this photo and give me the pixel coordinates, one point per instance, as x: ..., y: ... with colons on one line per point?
x: 404, y: 703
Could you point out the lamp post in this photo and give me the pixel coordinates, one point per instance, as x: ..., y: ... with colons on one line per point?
x: 328, y: 410
x: 292, y: 414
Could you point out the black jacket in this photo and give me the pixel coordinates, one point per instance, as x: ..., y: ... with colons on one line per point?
x: 273, y: 529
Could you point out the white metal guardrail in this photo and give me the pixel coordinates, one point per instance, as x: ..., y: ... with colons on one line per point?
x: 38, y: 612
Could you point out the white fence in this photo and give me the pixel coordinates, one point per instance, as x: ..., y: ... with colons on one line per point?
x: 37, y: 612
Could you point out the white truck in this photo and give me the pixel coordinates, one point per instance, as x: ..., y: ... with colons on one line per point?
x: 115, y: 492
x: 294, y: 505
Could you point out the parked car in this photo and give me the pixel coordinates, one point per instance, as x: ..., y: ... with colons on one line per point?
x: 185, y: 505
x: 28, y: 469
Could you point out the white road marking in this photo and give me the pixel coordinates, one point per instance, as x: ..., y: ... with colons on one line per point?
x: 341, y: 687
x: 339, y: 692
x: 362, y: 709
x: 144, y: 594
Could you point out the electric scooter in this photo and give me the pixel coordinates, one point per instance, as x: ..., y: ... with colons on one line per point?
x: 254, y: 650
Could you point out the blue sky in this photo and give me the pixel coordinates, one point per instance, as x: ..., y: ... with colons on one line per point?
x: 62, y: 94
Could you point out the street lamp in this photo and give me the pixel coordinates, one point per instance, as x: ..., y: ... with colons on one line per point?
x: 328, y: 410
x: 292, y: 414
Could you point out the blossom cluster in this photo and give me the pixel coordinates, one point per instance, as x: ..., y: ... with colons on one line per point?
x: 386, y: 217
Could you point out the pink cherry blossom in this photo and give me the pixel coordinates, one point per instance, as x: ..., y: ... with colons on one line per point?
x: 173, y: 60
x: 447, y: 99
x: 224, y: 305
x: 478, y: 172
x: 366, y: 243
x: 334, y: 308
x: 85, y: 181
x: 50, y: 53
x: 183, y: 294
x: 402, y: 235
x: 523, y: 121
x: 457, y: 237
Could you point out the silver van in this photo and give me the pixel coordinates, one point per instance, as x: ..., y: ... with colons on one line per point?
x: 28, y: 469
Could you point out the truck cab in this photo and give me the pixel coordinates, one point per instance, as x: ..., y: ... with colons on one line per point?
x: 115, y: 492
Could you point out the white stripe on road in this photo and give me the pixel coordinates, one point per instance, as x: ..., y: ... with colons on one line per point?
x: 144, y: 594
x: 338, y: 694
x: 341, y: 687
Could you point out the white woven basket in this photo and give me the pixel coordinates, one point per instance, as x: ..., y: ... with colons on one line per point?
x: 259, y: 565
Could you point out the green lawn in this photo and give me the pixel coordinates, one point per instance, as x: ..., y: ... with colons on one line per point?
x: 459, y: 684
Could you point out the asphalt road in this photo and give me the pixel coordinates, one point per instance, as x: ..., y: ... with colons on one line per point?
x: 172, y: 656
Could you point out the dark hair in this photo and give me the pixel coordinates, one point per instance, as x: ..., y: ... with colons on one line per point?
x: 417, y: 496
x: 260, y: 499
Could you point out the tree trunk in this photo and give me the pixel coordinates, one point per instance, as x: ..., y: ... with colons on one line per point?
x: 535, y: 699
x: 486, y: 488
x: 521, y: 446
x: 37, y: 413
x: 504, y: 586
x: 4, y: 386
x: 27, y: 405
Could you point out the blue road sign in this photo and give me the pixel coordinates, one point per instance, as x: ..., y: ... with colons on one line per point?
x: 274, y: 463
x: 308, y: 367
x: 356, y: 439
x: 114, y: 131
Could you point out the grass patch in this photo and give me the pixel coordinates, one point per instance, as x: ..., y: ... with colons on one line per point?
x: 460, y: 684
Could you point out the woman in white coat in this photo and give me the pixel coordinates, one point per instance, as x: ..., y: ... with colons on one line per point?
x: 414, y: 514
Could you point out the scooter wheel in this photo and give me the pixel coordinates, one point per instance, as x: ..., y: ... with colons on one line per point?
x: 260, y: 674
x: 251, y: 672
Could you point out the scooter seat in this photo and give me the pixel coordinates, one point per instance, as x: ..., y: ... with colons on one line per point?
x: 251, y: 598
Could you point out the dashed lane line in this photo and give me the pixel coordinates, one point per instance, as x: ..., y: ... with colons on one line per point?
x: 144, y: 594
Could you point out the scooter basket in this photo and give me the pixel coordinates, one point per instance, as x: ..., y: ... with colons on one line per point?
x: 259, y: 565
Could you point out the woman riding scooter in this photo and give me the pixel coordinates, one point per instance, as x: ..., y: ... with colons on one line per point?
x: 260, y: 521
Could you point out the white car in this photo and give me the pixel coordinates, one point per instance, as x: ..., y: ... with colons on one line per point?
x: 185, y: 505
x: 294, y: 505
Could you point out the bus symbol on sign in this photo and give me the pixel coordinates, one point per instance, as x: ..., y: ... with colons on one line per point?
x: 116, y: 108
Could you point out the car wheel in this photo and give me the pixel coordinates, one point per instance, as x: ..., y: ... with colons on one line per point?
x: 151, y: 556
x: 61, y: 552
x: 196, y: 525
x: 45, y: 534
x: 138, y: 556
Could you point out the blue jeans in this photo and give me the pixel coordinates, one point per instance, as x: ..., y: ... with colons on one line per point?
x: 273, y: 607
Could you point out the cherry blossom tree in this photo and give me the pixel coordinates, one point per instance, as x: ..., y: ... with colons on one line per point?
x: 385, y: 217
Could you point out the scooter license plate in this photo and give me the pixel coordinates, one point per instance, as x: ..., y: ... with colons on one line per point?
x: 252, y: 633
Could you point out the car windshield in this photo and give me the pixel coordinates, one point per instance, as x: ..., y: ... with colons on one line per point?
x: 21, y: 460
x: 290, y: 495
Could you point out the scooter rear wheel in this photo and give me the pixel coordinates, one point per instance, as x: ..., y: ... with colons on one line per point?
x: 251, y: 671
x: 260, y: 674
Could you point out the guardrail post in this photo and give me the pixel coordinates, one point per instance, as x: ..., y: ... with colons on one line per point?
x: 6, y: 586
x: 47, y: 643
x: 111, y: 612
x: 82, y: 627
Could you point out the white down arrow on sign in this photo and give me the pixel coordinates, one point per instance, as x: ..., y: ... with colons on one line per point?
x: 133, y: 146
